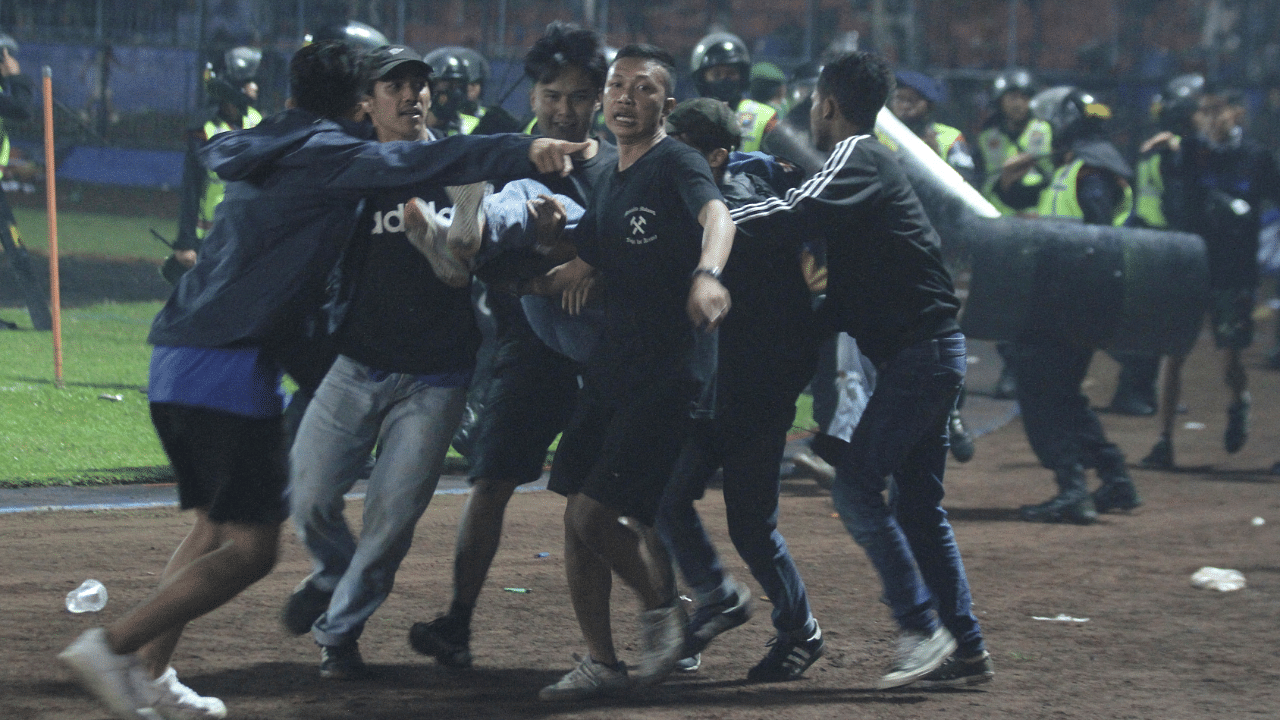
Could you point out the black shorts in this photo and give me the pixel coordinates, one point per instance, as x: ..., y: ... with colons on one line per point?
x: 622, y: 444
x: 233, y: 466
x: 1232, y: 317
x: 529, y: 400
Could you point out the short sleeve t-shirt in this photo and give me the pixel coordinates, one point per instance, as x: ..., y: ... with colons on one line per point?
x: 641, y: 231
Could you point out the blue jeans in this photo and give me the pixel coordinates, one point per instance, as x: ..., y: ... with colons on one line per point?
x: 750, y: 458
x: 354, y: 408
x: 903, y: 434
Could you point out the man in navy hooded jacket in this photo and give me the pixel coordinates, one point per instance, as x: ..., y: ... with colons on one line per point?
x: 295, y: 192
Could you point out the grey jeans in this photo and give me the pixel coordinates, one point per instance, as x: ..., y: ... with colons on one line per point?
x: 353, y: 409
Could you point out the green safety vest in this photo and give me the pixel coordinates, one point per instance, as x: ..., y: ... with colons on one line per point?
x: 4, y: 145
x: 215, y: 189
x: 754, y: 118
x: 947, y: 137
x: 996, y: 148
x: 945, y: 134
x: 1150, y: 190
x: 1059, y: 200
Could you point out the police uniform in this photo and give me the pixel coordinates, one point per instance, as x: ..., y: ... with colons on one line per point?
x: 996, y: 147
x: 1063, y: 430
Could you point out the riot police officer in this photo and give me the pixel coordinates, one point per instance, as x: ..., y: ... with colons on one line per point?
x: 230, y: 92
x: 1090, y: 184
x: 721, y: 69
x: 15, y: 104
x: 1012, y: 132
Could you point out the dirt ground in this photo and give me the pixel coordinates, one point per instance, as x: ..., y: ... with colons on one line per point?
x: 1153, y: 646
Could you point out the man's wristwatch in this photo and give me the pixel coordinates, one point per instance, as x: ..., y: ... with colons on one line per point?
x: 712, y: 271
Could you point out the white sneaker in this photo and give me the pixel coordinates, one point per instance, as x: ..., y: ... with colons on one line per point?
x: 428, y: 233
x: 662, y: 634
x: 822, y: 471
x: 118, y: 681
x: 176, y: 701
x: 918, y: 655
x: 467, y: 227
x: 589, y: 679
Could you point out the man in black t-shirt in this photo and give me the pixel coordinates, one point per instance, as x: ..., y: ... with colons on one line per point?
x: 887, y: 288
x: 530, y: 393
x: 658, y: 232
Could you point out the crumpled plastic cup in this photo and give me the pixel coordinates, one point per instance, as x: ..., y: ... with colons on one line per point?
x: 1220, y: 579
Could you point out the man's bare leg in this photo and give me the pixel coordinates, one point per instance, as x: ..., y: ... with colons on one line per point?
x: 1161, y: 455
x: 479, y: 535
x: 235, y: 556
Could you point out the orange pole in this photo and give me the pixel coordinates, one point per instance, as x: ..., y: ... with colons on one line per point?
x: 51, y: 198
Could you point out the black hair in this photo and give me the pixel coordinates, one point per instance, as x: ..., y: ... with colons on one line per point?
x: 705, y: 140
x: 564, y: 45
x: 645, y: 51
x: 860, y: 82
x: 328, y: 78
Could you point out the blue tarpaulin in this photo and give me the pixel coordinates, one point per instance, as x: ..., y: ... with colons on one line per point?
x: 120, y: 166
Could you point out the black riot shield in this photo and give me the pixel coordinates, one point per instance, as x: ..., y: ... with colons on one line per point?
x: 1116, y: 288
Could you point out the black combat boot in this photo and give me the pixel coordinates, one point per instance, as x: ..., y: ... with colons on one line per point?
x: 1072, y: 504
x: 1118, y: 491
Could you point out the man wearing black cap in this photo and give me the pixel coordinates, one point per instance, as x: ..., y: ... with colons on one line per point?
x: 767, y: 352
x: 406, y: 348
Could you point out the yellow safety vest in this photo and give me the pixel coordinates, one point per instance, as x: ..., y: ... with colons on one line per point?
x: 528, y: 129
x: 1150, y: 190
x: 215, y: 189
x: 996, y: 148
x: 754, y: 118
x: 1059, y: 200
x: 946, y: 136
x: 466, y: 125
x: 4, y: 146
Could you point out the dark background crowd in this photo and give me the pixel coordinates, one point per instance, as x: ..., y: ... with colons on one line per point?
x: 127, y: 74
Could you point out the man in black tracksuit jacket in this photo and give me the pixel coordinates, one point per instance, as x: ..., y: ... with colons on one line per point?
x: 887, y: 288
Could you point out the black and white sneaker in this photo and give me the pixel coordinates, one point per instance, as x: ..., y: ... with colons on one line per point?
x: 787, y: 659
x: 959, y: 672
x: 713, y: 619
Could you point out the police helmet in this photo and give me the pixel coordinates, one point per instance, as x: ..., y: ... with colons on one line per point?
x: 356, y: 33
x: 1012, y: 80
x: 240, y: 64
x: 452, y: 64
x: 476, y: 64
x: 8, y: 43
x: 1072, y: 113
x: 1173, y: 107
x: 720, y: 48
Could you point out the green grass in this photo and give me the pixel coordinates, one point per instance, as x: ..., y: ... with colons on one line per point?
x: 52, y: 436
x: 69, y: 435
x: 94, y: 234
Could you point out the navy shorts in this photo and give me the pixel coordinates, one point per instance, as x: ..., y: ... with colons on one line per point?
x: 234, y: 466
x: 622, y: 444
x: 529, y: 400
